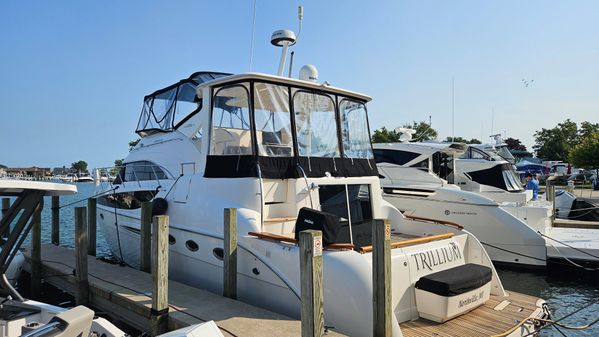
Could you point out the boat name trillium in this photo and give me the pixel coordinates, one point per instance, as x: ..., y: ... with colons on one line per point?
x: 438, y: 256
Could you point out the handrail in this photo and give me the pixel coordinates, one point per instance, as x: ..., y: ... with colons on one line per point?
x: 424, y: 239
x: 283, y: 238
x: 437, y: 221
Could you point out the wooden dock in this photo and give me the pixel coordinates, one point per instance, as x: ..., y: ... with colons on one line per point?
x: 489, y: 319
x: 567, y: 223
x: 126, y: 293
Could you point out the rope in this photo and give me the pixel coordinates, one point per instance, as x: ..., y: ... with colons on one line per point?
x: 84, y: 199
x: 512, y: 252
x: 567, y: 245
x: 542, y: 320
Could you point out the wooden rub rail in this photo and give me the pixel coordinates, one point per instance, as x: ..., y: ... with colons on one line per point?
x: 424, y: 239
x: 437, y: 221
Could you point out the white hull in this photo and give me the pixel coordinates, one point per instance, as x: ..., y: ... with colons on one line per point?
x: 506, y: 238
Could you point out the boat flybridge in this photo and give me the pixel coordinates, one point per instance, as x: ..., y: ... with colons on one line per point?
x: 418, y: 179
x: 271, y: 146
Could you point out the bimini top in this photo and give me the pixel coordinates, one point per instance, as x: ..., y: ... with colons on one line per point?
x: 12, y: 187
x: 165, y: 109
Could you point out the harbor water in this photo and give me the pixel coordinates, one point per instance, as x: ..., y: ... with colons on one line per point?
x: 565, y: 293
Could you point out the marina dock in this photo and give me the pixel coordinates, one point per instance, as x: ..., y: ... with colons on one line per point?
x: 126, y: 294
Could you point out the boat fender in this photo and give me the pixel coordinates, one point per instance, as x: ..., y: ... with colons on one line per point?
x: 159, y: 206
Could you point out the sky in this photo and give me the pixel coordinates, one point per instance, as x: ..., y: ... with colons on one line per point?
x: 73, y: 74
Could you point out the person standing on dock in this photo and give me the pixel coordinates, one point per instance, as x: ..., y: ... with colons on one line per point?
x: 532, y: 184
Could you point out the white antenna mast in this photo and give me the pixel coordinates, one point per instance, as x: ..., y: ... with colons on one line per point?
x: 252, y: 41
x: 452, y: 109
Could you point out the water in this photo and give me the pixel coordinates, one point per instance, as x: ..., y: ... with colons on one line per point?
x: 565, y: 293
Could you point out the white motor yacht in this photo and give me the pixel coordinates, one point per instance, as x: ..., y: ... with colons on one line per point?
x: 417, y: 178
x: 271, y: 146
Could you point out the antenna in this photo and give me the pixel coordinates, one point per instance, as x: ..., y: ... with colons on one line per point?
x: 285, y: 38
x: 252, y: 40
x: 452, y: 109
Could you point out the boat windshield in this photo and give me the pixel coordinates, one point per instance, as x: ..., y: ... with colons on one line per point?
x: 165, y: 109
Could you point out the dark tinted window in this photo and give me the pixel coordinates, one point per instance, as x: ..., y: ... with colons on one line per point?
x: 127, y: 200
x: 397, y: 157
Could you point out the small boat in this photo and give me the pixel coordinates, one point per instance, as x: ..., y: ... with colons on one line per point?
x: 23, y: 317
x: 84, y: 179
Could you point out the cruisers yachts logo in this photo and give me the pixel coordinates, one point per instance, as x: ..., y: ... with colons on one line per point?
x: 447, y: 212
x: 436, y: 257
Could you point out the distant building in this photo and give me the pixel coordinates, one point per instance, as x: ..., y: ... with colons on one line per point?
x: 28, y: 172
x: 58, y: 171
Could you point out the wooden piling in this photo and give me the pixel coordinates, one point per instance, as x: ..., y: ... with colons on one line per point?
x: 381, y: 278
x: 5, y: 207
x: 230, y: 253
x: 145, y: 244
x: 91, y: 225
x: 36, y: 253
x: 56, y: 220
x: 311, y: 279
x: 159, y: 310
x: 81, y: 250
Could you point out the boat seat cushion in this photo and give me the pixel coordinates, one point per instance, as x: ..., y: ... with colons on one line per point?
x: 455, y: 281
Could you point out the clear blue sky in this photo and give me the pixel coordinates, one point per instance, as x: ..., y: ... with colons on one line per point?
x: 73, y: 73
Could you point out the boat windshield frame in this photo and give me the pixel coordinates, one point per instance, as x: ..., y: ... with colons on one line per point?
x: 245, y: 162
x: 152, y: 121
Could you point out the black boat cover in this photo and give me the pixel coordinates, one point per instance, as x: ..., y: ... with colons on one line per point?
x: 455, y: 281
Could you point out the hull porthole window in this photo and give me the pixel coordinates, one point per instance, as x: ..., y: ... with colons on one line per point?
x: 171, y: 240
x: 256, y: 271
x: 219, y: 253
x: 192, y: 245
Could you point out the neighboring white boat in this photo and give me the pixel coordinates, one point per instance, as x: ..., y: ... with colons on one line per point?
x: 84, y: 179
x: 410, y: 176
x: 271, y: 146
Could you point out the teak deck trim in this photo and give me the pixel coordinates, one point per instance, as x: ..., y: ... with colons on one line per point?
x: 437, y: 221
x: 424, y: 239
x: 287, y: 239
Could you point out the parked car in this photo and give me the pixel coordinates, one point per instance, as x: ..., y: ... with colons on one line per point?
x: 582, y: 177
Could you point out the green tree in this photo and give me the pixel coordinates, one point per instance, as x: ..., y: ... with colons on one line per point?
x: 118, y: 163
x: 586, y: 154
x: 383, y: 135
x: 515, y: 144
x: 556, y: 143
x: 133, y: 143
x: 462, y: 140
x: 587, y: 129
x: 423, y: 131
x: 79, y: 166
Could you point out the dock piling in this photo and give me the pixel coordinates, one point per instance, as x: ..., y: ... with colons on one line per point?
x: 312, y: 313
x: 81, y: 250
x: 381, y: 278
x: 56, y: 220
x: 159, y: 310
x: 91, y: 225
x: 145, y: 244
x: 36, y: 252
x: 230, y: 253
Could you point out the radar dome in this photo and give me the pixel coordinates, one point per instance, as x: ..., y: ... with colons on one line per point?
x: 308, y: 73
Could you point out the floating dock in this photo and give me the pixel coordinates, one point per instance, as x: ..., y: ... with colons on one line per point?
x: 126, y: 294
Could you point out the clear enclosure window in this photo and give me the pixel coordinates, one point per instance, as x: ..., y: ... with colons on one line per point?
x: 231, y: 130
x: 315, y: 124
x: 187, y: 103
x: 273, y: 120
x: 354, y: 130
x: 143, y: 170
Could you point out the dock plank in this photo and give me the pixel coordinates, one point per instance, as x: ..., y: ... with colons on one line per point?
x: 126, y: 293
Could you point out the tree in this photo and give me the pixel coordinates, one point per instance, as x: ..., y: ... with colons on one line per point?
x: 556, y: 143
x: 423, y: 131
x: 133, y: 143
x: 586, y: 154
x: 385, y: 136
x: 118, y: 163
x: 514, y: 144
x: 79, y: 166
x: 587, y: 129
x: 462, y: 140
